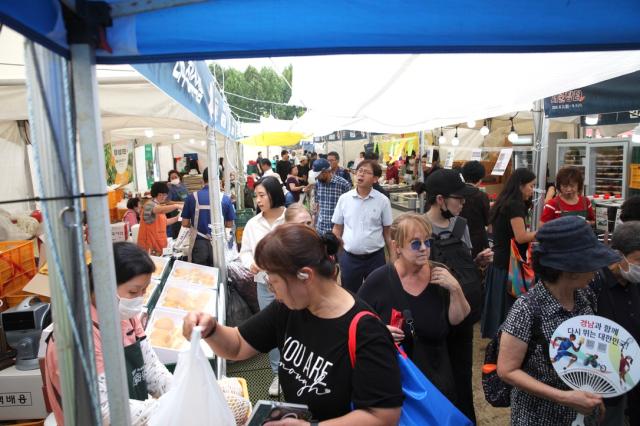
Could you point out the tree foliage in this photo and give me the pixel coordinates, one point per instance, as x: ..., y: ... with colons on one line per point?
x: 264, y: 85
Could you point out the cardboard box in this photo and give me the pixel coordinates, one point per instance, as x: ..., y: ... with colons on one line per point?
x: 21, y: 395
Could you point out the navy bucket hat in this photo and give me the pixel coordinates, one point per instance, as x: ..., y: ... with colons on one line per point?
x: 568, y: 244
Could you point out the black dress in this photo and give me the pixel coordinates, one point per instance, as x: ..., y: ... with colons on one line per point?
x: 383, y: 290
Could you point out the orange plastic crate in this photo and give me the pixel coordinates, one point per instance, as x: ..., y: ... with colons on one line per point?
x: 17, y: 265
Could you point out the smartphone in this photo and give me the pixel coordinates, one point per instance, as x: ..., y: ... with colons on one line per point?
x: 267, y: 411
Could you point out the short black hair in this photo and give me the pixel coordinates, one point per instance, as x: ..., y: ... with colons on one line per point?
x: 284, y: 152
x: 131, y: 261
x: 172, y: 172
x: 132, y: 203
x: 545, y: 273
x: 630, y: 209
x: 335, y: 154
x: 205, y: 175
x: 266, y: 162
x: 274, y: 190
x: 473, y: 171
x: 159, y: 188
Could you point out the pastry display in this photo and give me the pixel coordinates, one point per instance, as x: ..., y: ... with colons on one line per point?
x: 609, y: 170
x: 167, y: 333
x: 160, y: 264
x: 175, y: 297
x: 194, y: 274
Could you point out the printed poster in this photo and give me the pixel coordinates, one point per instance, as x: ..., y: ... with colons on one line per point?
x: 119, y: 162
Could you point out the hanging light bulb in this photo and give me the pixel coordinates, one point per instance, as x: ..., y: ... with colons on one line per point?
x: 513, y: 136
x: 455, y: 141
x: 176, y: 136
x: 203, y: 143
x: 471, y: 124
x: 148, y: 133
x: 591, y: 120
x: 192, y: 141
x: 442, y: 140
x: 484, y: 130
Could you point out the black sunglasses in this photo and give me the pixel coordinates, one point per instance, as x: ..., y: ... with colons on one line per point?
x: 417, y: 244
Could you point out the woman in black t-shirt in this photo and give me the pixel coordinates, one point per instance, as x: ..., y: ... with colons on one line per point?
x: 309, y: 323
x: 428, y: 290
x: 508, y: 218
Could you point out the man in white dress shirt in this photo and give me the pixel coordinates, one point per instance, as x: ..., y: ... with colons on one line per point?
x: 362, y: 218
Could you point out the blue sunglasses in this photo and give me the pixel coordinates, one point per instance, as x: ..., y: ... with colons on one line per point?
x: 417, y: 244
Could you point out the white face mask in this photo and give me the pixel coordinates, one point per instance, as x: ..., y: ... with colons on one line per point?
x: 129, y: 308
x: 176, y: 181
x: 633, y: 274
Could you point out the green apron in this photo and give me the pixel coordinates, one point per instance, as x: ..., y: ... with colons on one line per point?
x: 134, y: 365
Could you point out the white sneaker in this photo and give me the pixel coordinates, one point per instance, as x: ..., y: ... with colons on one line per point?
x: 274, y: 389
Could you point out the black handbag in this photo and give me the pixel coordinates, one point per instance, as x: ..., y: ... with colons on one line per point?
x: 497, y: 392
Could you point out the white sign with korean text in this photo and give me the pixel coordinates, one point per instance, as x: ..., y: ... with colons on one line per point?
x: 503, y: 161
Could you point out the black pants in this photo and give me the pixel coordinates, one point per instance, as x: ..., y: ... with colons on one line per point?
x: 460, y: 344
x: 202, y: 253
x: 355, y: 268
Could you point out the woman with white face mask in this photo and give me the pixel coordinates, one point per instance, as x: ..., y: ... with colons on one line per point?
x: 619, y: 300
x: 146, y: 375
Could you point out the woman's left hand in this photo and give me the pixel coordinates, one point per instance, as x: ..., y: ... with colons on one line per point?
x: 443, y: 278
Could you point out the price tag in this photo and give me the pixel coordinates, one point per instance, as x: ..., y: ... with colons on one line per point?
x: 476, y: 154
x: 503, y: 162
x: 448, y: 164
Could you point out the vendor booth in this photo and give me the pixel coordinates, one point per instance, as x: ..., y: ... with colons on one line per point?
x: 65, y: 125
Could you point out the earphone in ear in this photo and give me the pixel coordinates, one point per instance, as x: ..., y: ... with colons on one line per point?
x: 302, y: 276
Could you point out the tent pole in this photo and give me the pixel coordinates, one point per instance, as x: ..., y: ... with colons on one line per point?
x: 227, y: 169
x: 103, y: 269
x: 217, y: 235
x: 240, y: 178
x: 344, y: 153
x: 55, y: 153
x: 418, y: 164
x: 540, y: 158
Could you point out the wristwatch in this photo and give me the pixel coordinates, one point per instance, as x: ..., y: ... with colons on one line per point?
x: 313, y: 423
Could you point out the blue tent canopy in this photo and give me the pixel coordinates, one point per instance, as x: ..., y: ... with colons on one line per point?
x: 258, y: 28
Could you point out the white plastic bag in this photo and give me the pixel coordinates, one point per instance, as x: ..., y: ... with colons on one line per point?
x: 195, y: 398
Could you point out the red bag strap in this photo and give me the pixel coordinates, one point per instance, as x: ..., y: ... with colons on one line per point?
x: 353, y: 329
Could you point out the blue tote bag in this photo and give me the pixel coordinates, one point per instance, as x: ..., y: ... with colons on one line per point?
x: 423, y: 403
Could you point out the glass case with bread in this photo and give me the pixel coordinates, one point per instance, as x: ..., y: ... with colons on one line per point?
x: 604, y: 163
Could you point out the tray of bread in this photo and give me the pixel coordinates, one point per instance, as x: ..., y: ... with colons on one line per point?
x: 192, y: 274
x: 183, y: 297
x: 164, y: 331
x: 161, y: 265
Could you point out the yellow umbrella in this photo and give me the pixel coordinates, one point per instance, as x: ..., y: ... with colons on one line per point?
x: 274, y: 139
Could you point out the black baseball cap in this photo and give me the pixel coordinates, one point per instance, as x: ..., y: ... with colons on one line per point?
x: 447, y: 182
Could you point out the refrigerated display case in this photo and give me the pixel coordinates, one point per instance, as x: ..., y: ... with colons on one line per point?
x: 603, y: 161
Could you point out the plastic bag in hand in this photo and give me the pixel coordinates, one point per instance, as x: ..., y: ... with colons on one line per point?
x: 195, y: 397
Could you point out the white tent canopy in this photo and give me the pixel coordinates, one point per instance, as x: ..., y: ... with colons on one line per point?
x: 129, y: 107
x: 404, y: 93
